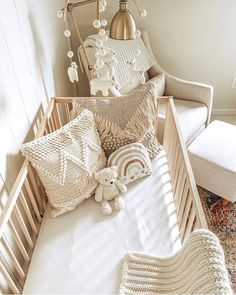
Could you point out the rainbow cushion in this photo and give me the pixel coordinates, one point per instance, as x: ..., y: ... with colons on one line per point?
x: 132, y: 161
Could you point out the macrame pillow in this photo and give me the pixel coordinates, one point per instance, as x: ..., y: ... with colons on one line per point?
x: 65, y: 160
x: 125, y: 119
x: 132, y: 162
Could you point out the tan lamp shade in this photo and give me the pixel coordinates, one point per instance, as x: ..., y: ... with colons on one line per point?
x: 123, y: 26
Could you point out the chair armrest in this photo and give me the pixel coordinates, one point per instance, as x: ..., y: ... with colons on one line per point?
x: 187, y: 90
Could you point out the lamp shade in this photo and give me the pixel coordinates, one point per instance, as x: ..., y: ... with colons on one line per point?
x: 123, y: 26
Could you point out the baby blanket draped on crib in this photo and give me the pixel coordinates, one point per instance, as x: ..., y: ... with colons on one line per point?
x: 198, y: 268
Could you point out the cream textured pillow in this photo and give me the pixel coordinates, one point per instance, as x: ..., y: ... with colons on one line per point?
x: 132, y: 162
x: 125, y: 119
x: 65, y: 161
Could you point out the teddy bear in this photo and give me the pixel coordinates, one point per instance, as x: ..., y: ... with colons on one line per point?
x: 109, y: 188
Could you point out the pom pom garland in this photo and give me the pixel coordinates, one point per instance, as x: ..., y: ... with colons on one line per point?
x: 59, y: 13
x: 104, y: 22
x: 70, y: 54
x: 143, y: 13
x: 97, y: 24
x: 67, y: 33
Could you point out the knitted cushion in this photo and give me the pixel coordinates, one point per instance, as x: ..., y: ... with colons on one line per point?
x: 65, y: 160
x: 132, y: 162
x: 198, y: 268
x: 125, y: 119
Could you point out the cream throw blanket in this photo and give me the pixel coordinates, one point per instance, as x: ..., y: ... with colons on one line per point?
x: 198, y: 268
x: 125, y: 51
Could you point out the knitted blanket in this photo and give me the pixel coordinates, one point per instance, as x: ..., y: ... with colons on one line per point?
x: 198, y: 268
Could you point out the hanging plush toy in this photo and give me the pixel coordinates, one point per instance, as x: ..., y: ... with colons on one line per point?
x: 105, y: 64
x: 102, y: 85
x: 73, y: 72
x: 136, y: 75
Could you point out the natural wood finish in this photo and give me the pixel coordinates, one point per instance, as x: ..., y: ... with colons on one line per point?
x: 9, y: 280
x: 19, y: 242
x: 13, y: 257
x: 29, y: 192
x: 28, y: 213
x: 188, y: 205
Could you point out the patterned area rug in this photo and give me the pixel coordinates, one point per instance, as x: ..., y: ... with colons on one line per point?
x: 221, y: 218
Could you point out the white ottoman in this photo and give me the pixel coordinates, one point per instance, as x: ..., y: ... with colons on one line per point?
x: 213, y: 159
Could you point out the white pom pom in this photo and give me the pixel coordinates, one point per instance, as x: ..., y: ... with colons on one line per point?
x: 99, y: 64
x: 59, y: 14
x: 99, y: 43
x: 104, y: 3
x: 104, y: 38
x: 137, y: 33
x: 102, y: 32
x: 67, y: 33
x: 137, y: 52
x: 70, y: 54
x: 102, y: 8
x: 143, y: 13
x: 97, y: 24
x: 104, y: 22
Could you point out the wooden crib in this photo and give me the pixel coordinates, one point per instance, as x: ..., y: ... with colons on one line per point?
x: 22, y: 215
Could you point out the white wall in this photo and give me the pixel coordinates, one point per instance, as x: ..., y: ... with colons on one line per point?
x: 32, y: 69
x: 195, y: 40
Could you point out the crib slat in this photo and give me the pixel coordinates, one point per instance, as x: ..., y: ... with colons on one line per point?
x: 183, y: 222
x: 189, y: 226
x: 57, y: 115
x: 67, y: 112
x: 13, y: 257
x: 28, y: 213
x: 183, y: 203
x: 49, y: 126
x: 51, y: 120
x: 172, y: 154
x: 179, y: 179
x: 9, y: 280
x: 177, y: 171
x: 40, y: 199
x: 23, y: 226
x: 32, y: 200
x: 180, y: 192
x: 19, y: 242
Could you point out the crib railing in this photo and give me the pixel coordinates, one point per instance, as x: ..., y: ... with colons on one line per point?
x: 22, y: 215
x: 188, y: 205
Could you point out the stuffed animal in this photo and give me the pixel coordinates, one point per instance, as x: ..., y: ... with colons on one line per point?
x: 102, y: 85
x: 73, y: 72
x: 135, y: 75
x: 105, y: 64
x: 108, y: 189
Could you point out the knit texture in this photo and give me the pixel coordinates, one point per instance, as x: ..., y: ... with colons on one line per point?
x: 198, y: 268
x: 65, y: 161
x: 125, y: 119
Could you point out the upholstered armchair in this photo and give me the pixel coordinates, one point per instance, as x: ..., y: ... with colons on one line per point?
x: 193, y: 100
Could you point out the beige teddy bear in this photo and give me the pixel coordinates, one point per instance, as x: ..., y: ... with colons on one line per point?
x: 108, y: 189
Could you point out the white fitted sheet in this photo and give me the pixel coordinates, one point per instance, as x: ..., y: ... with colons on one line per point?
x: 82, y: 252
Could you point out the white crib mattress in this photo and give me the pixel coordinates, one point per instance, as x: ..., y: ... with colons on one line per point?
x: 82, y: 252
